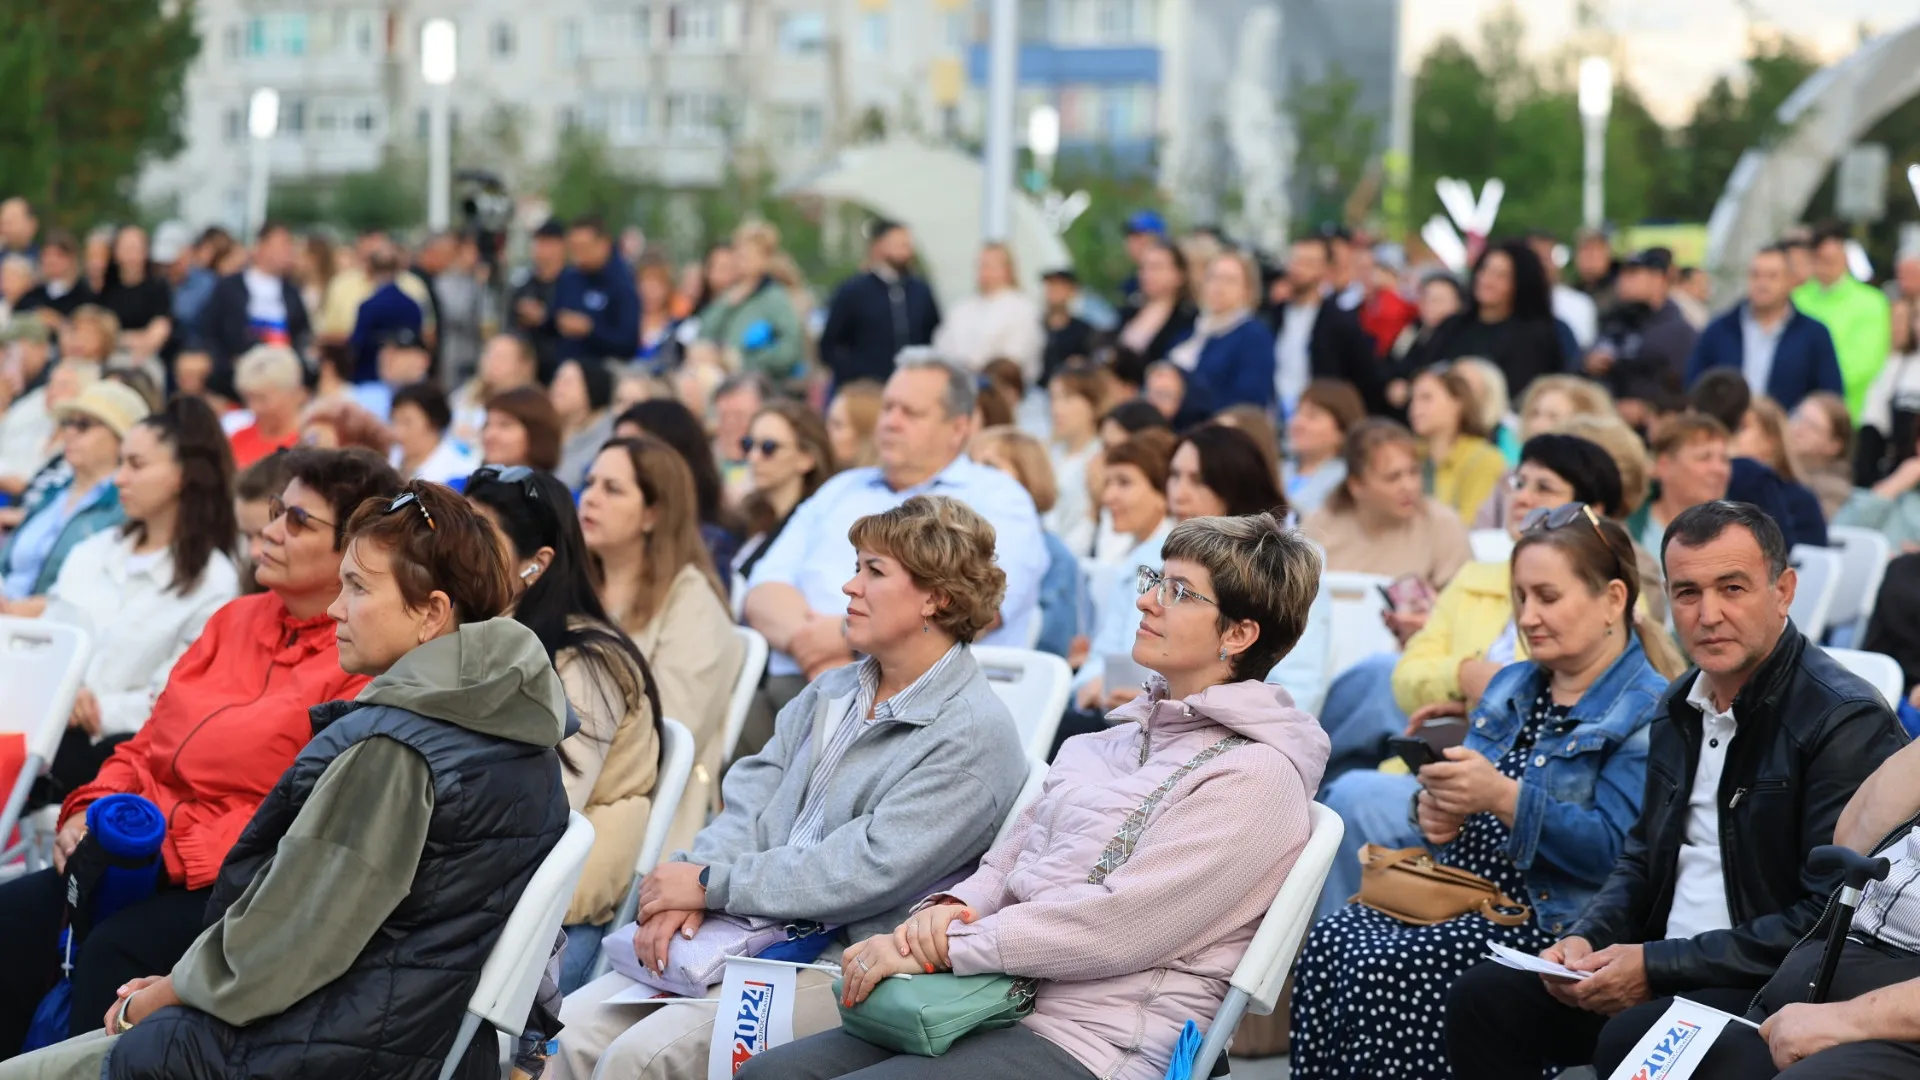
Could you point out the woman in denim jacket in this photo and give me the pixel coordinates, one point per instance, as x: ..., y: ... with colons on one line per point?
x: 1538, y: 800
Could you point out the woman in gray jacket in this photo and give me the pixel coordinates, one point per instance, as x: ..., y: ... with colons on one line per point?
x: 882, y: 778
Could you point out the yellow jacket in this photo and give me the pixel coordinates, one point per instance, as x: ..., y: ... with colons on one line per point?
x: 1468, y: 617
x: 1467, y: 476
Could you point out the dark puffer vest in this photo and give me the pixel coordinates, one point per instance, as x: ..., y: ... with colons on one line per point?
x: 498, y: 809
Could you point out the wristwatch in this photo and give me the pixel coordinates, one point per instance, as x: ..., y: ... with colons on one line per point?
x: 705, y: 871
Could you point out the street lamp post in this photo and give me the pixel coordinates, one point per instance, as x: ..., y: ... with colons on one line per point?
x: 263, y: 120
x: 1003, y: 61
x: 1596, y: 104
x: 438, y: 59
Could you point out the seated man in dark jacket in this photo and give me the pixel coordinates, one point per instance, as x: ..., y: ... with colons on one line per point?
x: 1751, y: 758
x: 352, y: 918
x: 260, y: 305
x: 1723, y: 395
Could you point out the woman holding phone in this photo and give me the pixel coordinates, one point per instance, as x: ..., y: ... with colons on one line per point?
x: 1538, y: 801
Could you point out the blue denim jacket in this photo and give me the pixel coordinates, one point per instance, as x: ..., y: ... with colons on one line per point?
x: 1583, y: 785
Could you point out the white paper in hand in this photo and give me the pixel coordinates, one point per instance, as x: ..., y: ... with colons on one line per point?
x: 1520, y: 961
x: 755, y: 1014
x: 1674, y: 1047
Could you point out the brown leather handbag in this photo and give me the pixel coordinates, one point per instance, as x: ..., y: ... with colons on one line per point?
x: 1408, y: 885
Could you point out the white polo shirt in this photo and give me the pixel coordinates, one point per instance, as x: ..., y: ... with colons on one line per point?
x: 1700, y: 888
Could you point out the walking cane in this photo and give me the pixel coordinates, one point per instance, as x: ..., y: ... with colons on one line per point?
x: 1855, y: 870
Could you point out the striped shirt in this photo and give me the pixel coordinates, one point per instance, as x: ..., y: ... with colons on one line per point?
x: 1890, y: 909
x: 809, y: 828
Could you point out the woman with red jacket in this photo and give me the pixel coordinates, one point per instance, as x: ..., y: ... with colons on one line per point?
x: 231, y: 719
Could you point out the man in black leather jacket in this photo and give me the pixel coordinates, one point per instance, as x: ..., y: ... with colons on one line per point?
x: 1710, y: 894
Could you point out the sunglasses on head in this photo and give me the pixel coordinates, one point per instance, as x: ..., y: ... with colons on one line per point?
x: 298, y: 519
x: 408, y: 498
x: 768, y: 447
x: 1559, y: 517
x: 507, y: 474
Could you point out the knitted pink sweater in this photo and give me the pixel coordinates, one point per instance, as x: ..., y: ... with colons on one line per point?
x: 1126, y: 963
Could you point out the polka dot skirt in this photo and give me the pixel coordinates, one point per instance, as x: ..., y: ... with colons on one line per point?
x: 1369, y: 992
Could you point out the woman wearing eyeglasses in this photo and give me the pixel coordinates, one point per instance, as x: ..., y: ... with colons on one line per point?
x: 611, y: 764
x: 231, y: 718
x: 91, y: 428
x: 1125, y: 954
x: 349, y: 924
x: 1538, y: 801
x: 789, y: 455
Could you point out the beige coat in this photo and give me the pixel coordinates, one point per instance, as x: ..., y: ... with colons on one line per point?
x: 695, y: 657
x: 616, y: 754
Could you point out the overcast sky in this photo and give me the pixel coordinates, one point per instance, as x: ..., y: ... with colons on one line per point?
x: 1674, y: 48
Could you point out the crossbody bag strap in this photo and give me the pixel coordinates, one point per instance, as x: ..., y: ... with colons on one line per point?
x: 1120, y: 848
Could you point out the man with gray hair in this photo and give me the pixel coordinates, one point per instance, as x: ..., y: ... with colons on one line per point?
x: 926, y: 419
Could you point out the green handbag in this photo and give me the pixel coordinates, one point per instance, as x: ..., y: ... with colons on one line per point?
x: 926, y: 1014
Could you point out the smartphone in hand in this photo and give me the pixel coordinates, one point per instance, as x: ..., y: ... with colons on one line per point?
x: 1415, y: 751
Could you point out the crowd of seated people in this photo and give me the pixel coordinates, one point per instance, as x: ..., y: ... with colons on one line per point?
x: 309, y: 540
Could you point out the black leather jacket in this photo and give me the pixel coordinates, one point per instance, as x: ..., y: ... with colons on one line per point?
x: 1809, y: 733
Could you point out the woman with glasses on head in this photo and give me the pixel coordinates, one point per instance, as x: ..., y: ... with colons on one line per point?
x: 789, y: 455
x: 1128, y: 943
x: 231, y: 718
x: 638, y: 518
x: 60, y: 516
x: 1538, y: 800
x: 350, y: 923
x: 612, y: 763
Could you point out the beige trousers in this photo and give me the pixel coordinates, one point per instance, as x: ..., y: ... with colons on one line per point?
x: 80, y: 1058
x: 661, y: 1042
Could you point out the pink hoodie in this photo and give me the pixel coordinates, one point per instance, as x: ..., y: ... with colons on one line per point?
x: 1125, y: 964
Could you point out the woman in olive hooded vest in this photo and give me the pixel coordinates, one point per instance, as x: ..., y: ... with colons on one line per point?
x: 351, y: 920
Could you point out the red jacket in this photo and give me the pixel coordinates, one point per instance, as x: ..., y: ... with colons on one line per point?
x: 1384, y: 314
x: 233, y: 716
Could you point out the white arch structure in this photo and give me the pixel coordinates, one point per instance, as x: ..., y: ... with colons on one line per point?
x: 1770, y: 187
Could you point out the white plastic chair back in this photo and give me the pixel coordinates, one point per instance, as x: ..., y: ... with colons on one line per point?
x: 737, y: 596
x: 1036, y: 777
x: 1490, y: 545
x: 41, y: 664
x: 1819, y: 571
x: 1034, y: 686
x: 1256, y: 983
x: 676, y: 766
x: 1358, y: 630
x: 1863, y: 566
x: 511, y: 975
x: 1881, y: 670
x: 744, y: 687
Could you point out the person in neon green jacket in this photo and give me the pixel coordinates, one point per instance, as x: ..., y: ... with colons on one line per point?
x: 1855, y: 313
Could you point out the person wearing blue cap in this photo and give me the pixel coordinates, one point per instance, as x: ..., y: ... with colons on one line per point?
x: 1143, y: 227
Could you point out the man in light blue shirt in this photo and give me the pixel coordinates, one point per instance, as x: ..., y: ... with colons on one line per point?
x: 926, y: 419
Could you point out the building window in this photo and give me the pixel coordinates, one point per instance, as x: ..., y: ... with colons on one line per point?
x: 631, y: 118
x: 363, y: 121
x: 275, y: 35
x: 1115, y: 20
x: 642, y: 26
x: 811, y: 125
x: 256, y: 37
x: 695, y: 116
x: 236, y: 124
x: 873, y: 33
x: 293, y: 35
x: 1033, y: 21
x: 325, y: 120
x: 231, y: 39
x: 958, y: 30
x: 802, y: 32
x: 567, y: 41
x: 360, y: 33
x: 500, y: 40
x: 568, y: 118
x: 693, y: 25
x: 293, y: 116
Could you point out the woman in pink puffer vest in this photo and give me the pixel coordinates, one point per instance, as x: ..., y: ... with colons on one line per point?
x: 1123, y: 963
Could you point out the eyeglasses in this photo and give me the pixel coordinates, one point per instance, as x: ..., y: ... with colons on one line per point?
x: 1559, y: 517
x: 768, y: 447
x: 1517, y: 483
x: 506, y: 474
x: 1148, y: 580
x: 408, y: 498
x: 79, y: 425
x: 298, y: 519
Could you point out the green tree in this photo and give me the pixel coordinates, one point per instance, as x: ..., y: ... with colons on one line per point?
x: 585, y: 179
x: 1736, y: 114
x: 93, y: 91
x: 391, y: 197
x: 1337, y: 142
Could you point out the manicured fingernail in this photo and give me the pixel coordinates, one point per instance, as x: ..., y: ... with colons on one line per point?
x: 929, y: 969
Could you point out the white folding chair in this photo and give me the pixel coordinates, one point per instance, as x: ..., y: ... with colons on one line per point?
x: 1358, y: 630
x: 1863, y: 566
x: 676, y: 765
x: 1881, y: 670
x: 744, y: 687
x: 41, y: 664
x: 1036, y: 777
x: 1819, y: 570
x: 1034, y: 686
x: 1255, y: 986
x: 511, y: 975
x: 1490, y: 545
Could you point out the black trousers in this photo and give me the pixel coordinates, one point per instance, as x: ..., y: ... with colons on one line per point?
x: 74, y: 765
x: 145, y: 939
x: 1739, y: 1053
x: 1503, y: 1025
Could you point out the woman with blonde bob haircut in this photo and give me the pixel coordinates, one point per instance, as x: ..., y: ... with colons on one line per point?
x: 883, y: 779
x: 1024, y: 458
x: 1128, y: 933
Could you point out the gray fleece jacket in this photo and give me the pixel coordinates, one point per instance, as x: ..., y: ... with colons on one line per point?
x: 914, y: 800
